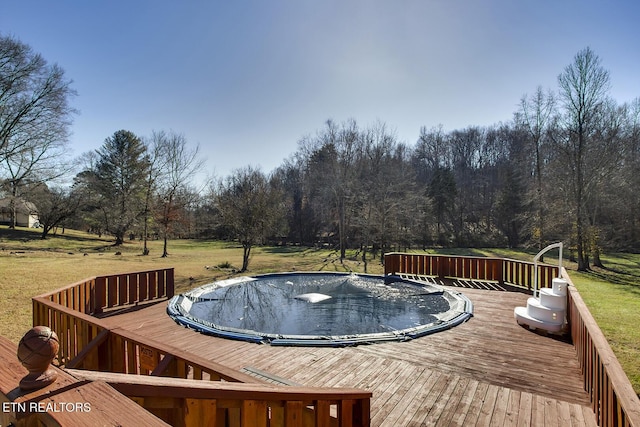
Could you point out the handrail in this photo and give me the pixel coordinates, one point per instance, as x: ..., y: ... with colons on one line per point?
x: 137, y: 354
x: 613, y: 399
x: 176, y: 387
x: 535, y: 262
x: 45, y: 406
x: 124, y: 351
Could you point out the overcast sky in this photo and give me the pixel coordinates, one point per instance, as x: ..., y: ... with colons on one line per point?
x: 247, y: 79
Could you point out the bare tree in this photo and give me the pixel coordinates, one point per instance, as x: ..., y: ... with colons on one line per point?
x: 535, y: 116
x: 584, y: 86
x: 34, y: 116
x: 249, y: 207
x: 332, y: 174
x: 602, y: 164
x: 155, y: 157
x: 631, y: 179
x: 442, y: 191
x: 302, y: 222
x: 432, y: 151
x: 177, y: 166
x: 55, y: 205
x: 381, y: 188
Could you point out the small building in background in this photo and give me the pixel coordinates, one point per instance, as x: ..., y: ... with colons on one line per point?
x: 26, y: 213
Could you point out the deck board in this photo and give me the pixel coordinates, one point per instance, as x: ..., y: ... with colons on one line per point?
x: 487, y: 371
x: 458, y: 412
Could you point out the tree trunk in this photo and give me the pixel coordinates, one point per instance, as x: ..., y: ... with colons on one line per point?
x: 45, y: 231
x: 13, y: 209
x: 341, y: 229
x: 246, y: 252
x: 164, y: 246
x: 596, y: 257
x: 583, y: 258
x: 145, y: 249
x: 364, y: 256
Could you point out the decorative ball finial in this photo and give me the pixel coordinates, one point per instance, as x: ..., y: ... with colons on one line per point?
x: 36, y: 351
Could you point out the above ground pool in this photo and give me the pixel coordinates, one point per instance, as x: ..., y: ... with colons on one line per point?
x: 319, y: 309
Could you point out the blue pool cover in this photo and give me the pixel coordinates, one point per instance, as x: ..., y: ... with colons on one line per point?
x: 320, y: 309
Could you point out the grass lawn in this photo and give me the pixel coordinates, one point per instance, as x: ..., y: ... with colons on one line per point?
x: 30, y: 266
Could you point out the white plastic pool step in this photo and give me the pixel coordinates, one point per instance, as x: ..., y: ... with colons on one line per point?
x: 552, y: 300
x: 524, y: 318
x: 537, y: 310
x: 547, y: 312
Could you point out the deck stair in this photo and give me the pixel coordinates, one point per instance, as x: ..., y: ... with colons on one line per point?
x: 547, y: 308
x: 547, y: 311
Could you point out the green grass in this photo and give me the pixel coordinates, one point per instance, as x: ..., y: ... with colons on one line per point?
x: 30, y: 266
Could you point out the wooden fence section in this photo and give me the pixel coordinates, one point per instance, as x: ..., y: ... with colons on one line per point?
x: 75, y: 330
x: 237, y: 404
x: 503, y: 271
x: 86, y: 343
x: 613, y: 399
x: 95, y: 294
x: 131, y: 288
x: 128, y: 353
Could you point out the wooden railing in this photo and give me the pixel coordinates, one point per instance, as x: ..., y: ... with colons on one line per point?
x: 95, y: 294
x: 205, y: 403
x: 75, y: 330
x: 125, y: 352
x: 87, y: 343
x: 501, y: 270
x: 613, y: 399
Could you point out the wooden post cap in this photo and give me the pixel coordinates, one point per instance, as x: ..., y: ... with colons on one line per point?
x: 36, y: 351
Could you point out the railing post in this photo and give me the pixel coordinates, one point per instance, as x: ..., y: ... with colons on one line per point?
x: 99, y: 294
x: 170, y: 283
x: 391, y: 263
x: 35, y: 318
x: 362, y: 413
x: 442, y: 265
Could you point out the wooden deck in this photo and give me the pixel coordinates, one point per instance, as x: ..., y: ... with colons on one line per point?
x: 487, y: 371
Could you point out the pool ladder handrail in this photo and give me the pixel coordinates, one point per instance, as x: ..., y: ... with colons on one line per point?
x: 536, y: 288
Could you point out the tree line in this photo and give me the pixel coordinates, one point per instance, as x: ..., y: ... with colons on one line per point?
x: 564, y: 167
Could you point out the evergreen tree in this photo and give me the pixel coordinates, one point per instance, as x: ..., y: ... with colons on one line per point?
x: 119, y: 180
